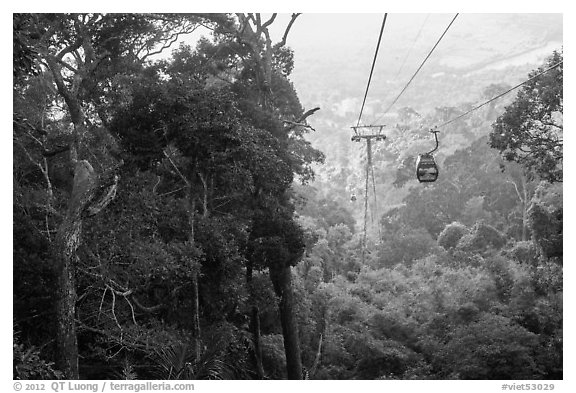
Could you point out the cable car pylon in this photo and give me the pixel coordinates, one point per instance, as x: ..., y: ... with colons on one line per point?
x: 369, y: 137
x: 357, y: 137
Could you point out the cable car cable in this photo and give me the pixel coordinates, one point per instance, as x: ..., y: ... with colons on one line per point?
x: 372, y: 69
x: 411, y: 47
x: 426, y: 168
x: 499, y: 95
x: 419, y: 68
x: 369, y: 163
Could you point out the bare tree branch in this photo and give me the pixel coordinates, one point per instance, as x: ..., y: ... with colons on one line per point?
x: 301, y: 121
x: 112, y: 338
x: 294, y: 124
x: 150, y: 309
x: 169, y: 41
x: 55, y: 151
x: 114, y: 307
x: 307, y: 114
x: 63, y: 63
x: 102, y: 302
x: 285, y: 36
x: 69, y: 49
x: 176, y: 168
x: 268, y: 22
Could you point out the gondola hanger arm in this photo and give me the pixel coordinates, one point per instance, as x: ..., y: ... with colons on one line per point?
x: 435, y: 132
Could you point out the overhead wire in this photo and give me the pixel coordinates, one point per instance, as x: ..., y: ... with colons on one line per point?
x: 499, y: 95
x: 369, y: 165
x: 368, y: 141
x: 372, y: 69
x: 419, y: 68
x: 411, y: 47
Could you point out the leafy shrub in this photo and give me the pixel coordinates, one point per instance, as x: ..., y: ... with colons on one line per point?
x: 548, y: 278
x: 501, y: 270
x: 451, y: 235
x: 29, y: 365
x: 273, y: 357
x: 546, y: 226
x: 405, y: 247
x: 524, y: 252
x: 482, y: 237
x: 494, y: 347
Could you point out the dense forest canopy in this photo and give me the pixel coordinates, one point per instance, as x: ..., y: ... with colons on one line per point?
x: 168, y: 222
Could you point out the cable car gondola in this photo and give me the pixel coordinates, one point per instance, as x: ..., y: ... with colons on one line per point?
x: 426, y: 168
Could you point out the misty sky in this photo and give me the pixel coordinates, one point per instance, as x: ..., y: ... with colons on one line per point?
x: 348, y: 40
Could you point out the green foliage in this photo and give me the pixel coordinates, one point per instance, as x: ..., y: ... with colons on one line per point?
x: 128, y: 372
x: 482, y: 238
x: 28, y: 363
x: 24, y: 58
x: 502, y: 272
x: 404, y: 247
x: 547, y: 230
x: 326, y: 212
x: 431, y: 320
x: 523, y: 252
x: 548, y: 278
x: 273, y: 357
x: 530, y: 130
x: 179, y: 362
x: 493, y: 347
x: 451, y: 235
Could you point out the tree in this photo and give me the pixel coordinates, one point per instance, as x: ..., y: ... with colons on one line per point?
x: 546, y: 227
x: 530, y: 131
x: 494, y: 347
x: 404, y: 247
x: 481, y: 238
x: 451, y: 235
x: 81, y: 51
x: 24, y: 58
x: 237, y: 151
x: 272, y: 105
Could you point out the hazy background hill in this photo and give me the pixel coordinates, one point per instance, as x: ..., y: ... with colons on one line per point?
x: 334, y: 51
x: 333, y: 56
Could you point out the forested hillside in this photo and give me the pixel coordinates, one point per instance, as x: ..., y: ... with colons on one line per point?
x: 481, y: 56
x: 189, y: 218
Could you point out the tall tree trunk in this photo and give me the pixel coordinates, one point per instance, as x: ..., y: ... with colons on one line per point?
x: 90, y: 194
x: 69, y: 234
x: 196, y: 316
x: 322, y: 329
x: 66, y: 340
x: 282, y: 280
x: 66, y: 245
x: 255, y: 324
x: 524, y: 211
x: 195, y: 296
x: 523, y: 198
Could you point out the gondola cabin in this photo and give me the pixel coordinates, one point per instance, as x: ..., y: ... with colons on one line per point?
x: 426, y: 168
